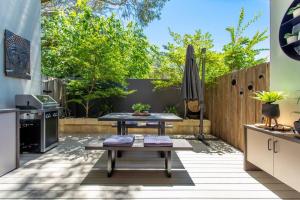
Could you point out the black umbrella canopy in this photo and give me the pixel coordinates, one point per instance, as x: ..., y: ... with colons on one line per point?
x: 191, y: 84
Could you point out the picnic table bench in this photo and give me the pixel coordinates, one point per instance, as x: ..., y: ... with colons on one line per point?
x: 138, y: 145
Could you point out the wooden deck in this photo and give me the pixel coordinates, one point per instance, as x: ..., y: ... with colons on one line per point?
x: 66, y: 172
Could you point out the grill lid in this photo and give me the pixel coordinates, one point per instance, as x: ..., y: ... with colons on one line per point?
x: 28, y: 101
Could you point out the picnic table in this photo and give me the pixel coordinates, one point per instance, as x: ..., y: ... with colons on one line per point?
x: 122, y: 118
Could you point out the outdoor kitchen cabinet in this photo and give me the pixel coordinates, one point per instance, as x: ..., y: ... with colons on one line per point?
x: 287, y: 162
x: 259, y: 151
x: 9, y: 146
x: 275, y: 153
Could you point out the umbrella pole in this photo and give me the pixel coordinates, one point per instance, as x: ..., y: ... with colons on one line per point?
x: 202, y: 106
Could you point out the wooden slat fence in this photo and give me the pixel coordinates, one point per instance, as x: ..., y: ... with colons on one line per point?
x: 229, y: 106
x: 56, y: 89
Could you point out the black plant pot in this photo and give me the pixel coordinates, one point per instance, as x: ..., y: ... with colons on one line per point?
x: 271, y: 110
x: 297, y: 126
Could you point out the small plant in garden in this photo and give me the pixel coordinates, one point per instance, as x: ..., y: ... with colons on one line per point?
x: 291, y: 10
x: 287, y: 35
x: 269, y: 97
x: 139, y: 107
x: 291, y: 37
x: 171, y: 109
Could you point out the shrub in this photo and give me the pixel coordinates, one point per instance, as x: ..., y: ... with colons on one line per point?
x: 139, y: 107
x: 269, y: 97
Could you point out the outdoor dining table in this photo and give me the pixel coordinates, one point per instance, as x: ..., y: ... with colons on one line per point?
x: 122, y: 118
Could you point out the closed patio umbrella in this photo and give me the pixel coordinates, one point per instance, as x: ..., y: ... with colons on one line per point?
x: 192, y: 86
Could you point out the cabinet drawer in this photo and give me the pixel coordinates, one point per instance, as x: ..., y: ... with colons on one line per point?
x: 260, y: 150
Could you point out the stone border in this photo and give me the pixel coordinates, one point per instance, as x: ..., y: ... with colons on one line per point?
x: 92, y: 125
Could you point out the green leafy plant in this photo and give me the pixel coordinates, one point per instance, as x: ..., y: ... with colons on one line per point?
x: 291, y: 10
x: 142, y: 11
x: 168, y: 66
x: 94, y: 55
x: 139, y: 107
x: 241, y: 51
x: 287, y: 35
x: 269, y: 97
x: 171, y: 109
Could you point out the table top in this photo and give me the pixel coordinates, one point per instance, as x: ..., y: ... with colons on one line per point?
x: 138, y: 145
x: 163, y: 117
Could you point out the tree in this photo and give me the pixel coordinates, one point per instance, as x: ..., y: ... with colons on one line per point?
x: 94, y: 54
x: 143, y: 11
x: 241, y: 52
x: 171, y: 66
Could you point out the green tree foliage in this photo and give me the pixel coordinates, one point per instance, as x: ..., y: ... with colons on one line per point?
x: 95, y: 54
x: 241, y: 52
x: 170, y: 66
x: 142, y: 11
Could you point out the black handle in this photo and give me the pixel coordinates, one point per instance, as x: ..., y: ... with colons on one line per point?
x: 269, y: 148
x: 274, y: 146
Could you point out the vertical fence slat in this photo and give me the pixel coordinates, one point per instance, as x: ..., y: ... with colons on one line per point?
x: 229, y: 107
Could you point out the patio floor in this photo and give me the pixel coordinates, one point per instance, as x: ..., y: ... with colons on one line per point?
x: 66, y: 172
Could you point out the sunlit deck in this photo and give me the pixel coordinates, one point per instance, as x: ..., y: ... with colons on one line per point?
x: 66, y: 172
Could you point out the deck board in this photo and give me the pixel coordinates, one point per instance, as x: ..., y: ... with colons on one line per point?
x: 67, y: 172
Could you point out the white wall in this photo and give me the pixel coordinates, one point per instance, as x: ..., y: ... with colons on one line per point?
x: 23, y: 18
x: 285, y: 72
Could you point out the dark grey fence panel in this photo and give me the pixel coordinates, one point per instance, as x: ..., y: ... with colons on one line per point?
x: 145, y: 93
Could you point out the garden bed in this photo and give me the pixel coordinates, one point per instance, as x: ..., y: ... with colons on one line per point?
x: 92, y: 125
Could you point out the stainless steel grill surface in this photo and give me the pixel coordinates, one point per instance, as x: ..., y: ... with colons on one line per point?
x: 38, y: 122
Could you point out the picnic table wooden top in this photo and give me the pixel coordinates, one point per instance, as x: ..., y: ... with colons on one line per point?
x: 158, y: 117
x: 138, y: 145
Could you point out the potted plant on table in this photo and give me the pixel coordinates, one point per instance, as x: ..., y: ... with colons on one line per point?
x: 295, y: 11
x: 269, y: 109
x: 141, y: 109
x: 290, y: 38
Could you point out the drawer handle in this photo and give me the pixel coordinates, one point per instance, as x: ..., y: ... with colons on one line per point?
x: 269, y: 141
x: 274, y: 145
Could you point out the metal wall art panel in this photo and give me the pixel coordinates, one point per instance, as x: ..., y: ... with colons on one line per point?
x: 17, y: 56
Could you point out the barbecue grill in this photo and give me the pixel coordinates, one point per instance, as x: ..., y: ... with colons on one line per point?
x: 38, y: 122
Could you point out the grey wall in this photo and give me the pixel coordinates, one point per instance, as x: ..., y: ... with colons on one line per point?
x: 23, y: 18
x: 284, y: 71
x: 145, y: 93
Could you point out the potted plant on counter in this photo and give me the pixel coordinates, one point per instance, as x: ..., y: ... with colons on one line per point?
x: 295, y: 11
x: 291, y: 38
x: 141, y: 109
x: 269, y: 109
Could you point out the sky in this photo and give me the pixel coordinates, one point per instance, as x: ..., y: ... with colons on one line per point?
x: 213, y: 16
